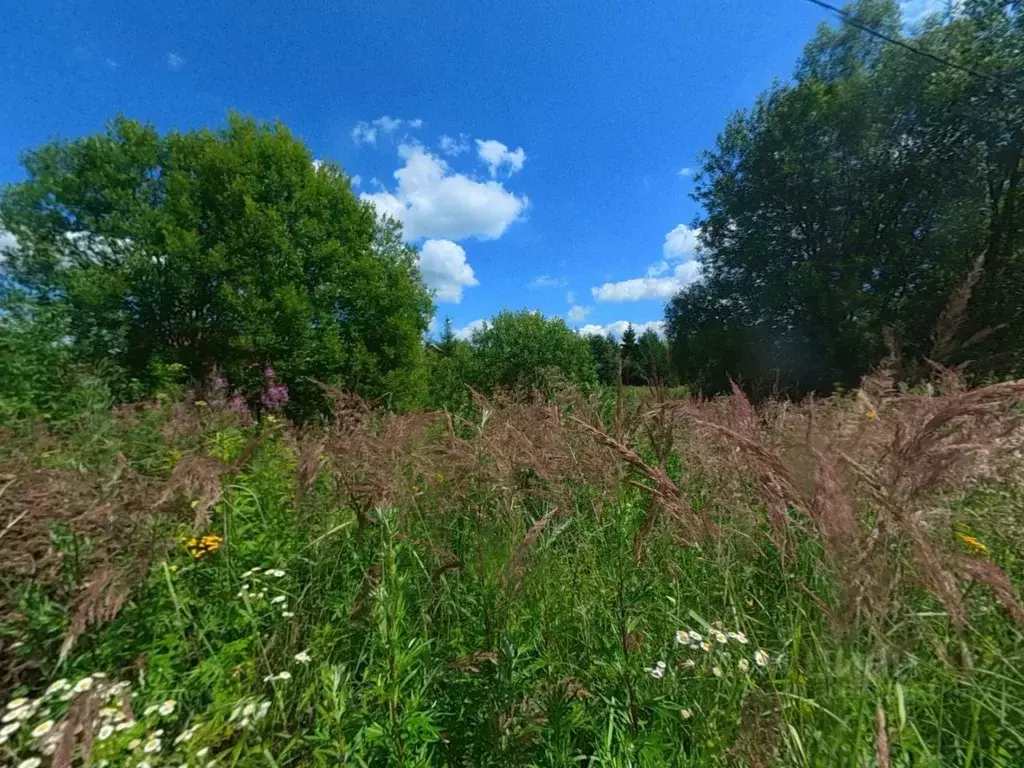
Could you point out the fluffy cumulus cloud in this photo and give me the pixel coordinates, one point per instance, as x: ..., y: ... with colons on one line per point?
x: 638, y: 288
x: 175, y: 62
x: 577, y: 313
x: 496, y: 156
x: 617, y: 328
x: 663, y: 279
x: 686, y: 171
x: 680, y: 243
x: 547, y: 281
x: 366, y: 133
x: 445, y: 270
x: 453, y: 147
x: 432, y: 201
x: 466, y: 332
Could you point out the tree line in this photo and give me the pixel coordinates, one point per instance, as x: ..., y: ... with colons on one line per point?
x: 870, y: 204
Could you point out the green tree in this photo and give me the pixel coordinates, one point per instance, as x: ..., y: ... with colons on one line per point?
x: 525, y: 350
x: 225, y: 250
x: 607, y: 359
x: 653, y: 358
x: 631, y: 366
x: 855, y: 200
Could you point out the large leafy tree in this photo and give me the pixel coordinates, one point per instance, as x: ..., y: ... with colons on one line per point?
x: 853, y: 201
x: 525, y: 350
x: 227, y: 250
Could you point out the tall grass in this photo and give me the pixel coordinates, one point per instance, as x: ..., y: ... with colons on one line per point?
x: 677, y: 583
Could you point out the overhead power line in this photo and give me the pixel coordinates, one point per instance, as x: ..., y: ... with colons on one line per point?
x: 848, y: 19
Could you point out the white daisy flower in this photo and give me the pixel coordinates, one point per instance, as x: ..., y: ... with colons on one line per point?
x: 134, y: 743
x: 32, y: 762
x: 57, y: 686
x: 689, y: 664
x: 744, y: 665
x: 124, y: 726
x: 761, y: 657
x: 287, y: 614
x: 10, y: 728
x: 42, y: 729
x: 682, y: 638
x: 739, y: 637
x: 705, y: 645
x: 16, y: 714
x: 167, y: 707
x: 695, y: 637
x: 17, y: 703
x: 202, y: 752
x: 106, y: 731
x: 303, y: 657
x: 716, y: 671
x: 279, y: 598
x: 262, y: 711
x: 82, y: 685
x: 687, y: 714
x: 720, y: 637
x: 150, y: 710
x: 151, y: 746
x: 277, y: 573
x: 658, y: 670
x: 284, y: 675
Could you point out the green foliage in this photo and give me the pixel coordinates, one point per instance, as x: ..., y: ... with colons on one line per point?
x: 856, y: 200
x: 224, y: 251
x: 526, y: 350
x: 607, y: 358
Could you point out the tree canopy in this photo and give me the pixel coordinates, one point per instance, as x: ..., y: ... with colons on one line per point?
x: 229, y: 250
x: 851, y: 203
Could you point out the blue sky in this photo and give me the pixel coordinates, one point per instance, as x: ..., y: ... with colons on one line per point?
x: 535, y: 151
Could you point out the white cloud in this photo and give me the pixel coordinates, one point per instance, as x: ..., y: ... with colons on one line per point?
x: 8, y: 242
x: 657, y: 269
x: 680, y: 243
x: 453, y: 147
x: 432, y: 201
x: 578, y: 314
x: 445, y: 270
x: 356, y: 180
x: 111, y: 63
x: 366, y: 133
x: 466, y: 332
x: 617, y: 328
x: 570, y: 297
x: 686, y: 171
x: 495, y: 155
x: 547, y: 281
x: 175, y: 62
x: 917, y: 10
x: 649, y: 287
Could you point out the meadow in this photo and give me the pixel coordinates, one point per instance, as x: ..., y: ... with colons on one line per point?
x: 610, y: 580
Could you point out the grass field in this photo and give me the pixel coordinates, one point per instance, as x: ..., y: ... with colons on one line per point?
x: 674, y: 583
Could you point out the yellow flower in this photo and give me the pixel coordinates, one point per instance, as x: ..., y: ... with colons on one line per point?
x: 872, y: 415
x: 972, y: 542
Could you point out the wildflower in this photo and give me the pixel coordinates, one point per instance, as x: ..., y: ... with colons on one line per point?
x: 57, y: 686
x: 244, y: 723
x: 303, y: 657
x: 124, y: 726
x: 682, y: 638
x: 284, y: 675
x: 83, y: 685
x: 106, y: 731
x: 687, y: 714
x: 249, y: 709
x: 185, y: 735
x: 761, y: 657
x: 153, y: 745
x: 739, y: 637
x: 10, y: 728
x: 16, y: 714
x: 262, y: 711
x: 150, y: 710
x: 871, y: 415
x: 287, y: 614
x: 744, y: 665
x: 278, y: 598
x: 251, y: 572
x: 689, y: 664
x: 658, y: 670
x: 695, y: 637
x: 167, y: 707
x: 720, y: 637
x: 200, y: 403
x: 17, y: 703
x: 973, y: 543
x: 277, y: 573
x: 705, y: 645
x: 716, y: 671
x: 144, y: 764
x: 32, y: 762
x: 42, y: 729
x: 202, y: 752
